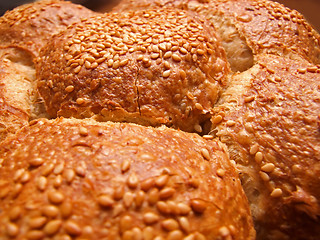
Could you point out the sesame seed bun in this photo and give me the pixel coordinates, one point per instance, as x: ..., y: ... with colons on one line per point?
x: 270, y: 117
x: 149, y: 67
x: 250, y: 27
x: 71, y: 178
x: 29, y: 26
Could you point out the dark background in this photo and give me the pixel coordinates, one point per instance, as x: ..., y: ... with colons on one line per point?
x: 309, y: 8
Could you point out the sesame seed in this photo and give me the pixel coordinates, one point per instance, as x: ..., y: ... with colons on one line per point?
x: 154, y: 55
x: 69, y: 88
x: 248, y: 99
x: 41, y: 183
x: 161, y: 181
x: 128, y: 199
x: 139, y: 199
x: 150, y: 218
x: 124, y: 62
x: 69, y: 175
x: 184, y: 223
x: 167, y: 55
x: 216, y: 119
x: 221, y: 172
x: 72, y: 228
x: 126, y: 223
x: 166, y: 65
x: 36, y: 162
x: 66, y: 209
x: 207, y: 137
x: 35, y: 234
x: 77, y: 69
x: 167, y: 193
x: 269, y: 167
x: 254, y: 149
x: 170, y: 224
x: 83, y: 131
x: 224, y: 231
x: 15, y: 213
x: 50, y: 211
x: 302, y: 70
x: 87, y: 64
x: 37, y: 222
x: 166, y: 73
x: 25, y: 177
x: 153, y: 196
x: 80, y: 101
x: 125, y: 165
x: 176, y: 57
x: 52, y: 227
x: 147, y: 184
x: 55, y: 197
x: 133, y: 181
x: 183, y: 74
x: 199, y: 106
x: 175, y: 235
x: 205, y: 153
x: 312, y: 69
x: 277, y: 192
x: 198, y: 205
x: 264, y: 176
x: 12, y: 229
x: 230, y: 123
x: 183, y: 50
x: 200, y: 52
x: 258, y: 157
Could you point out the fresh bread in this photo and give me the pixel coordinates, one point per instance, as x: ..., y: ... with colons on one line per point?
x: 251, y: 67
x: 269, y: 117
x: 249, y: 27
x: 23, y: 32
x: 31, y: 25
x: 16, y: 90
x: 148, y: 67
x: 70, y: 178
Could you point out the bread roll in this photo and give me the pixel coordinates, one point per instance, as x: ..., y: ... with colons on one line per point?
x: 270, y: 119
x: 68, y: 178
x: 16, y: 89
x: 31, y: 25
x: 23, y: 31
x: 250, y: 27
x: 148, y: 67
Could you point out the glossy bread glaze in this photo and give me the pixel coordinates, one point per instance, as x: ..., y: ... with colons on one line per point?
x: 68, y: 178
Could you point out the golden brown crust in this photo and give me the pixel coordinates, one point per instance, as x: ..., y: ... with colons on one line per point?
x: 270, y: 119
x: 16, y: 89
x: 31, y: 25
x: 262, y: 26
x: 125, y: 5
x: 149, y: 67
x: 80, y: 178
x: 270, y: 27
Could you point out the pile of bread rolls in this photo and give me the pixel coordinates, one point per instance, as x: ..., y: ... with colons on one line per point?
x: 159, y: 120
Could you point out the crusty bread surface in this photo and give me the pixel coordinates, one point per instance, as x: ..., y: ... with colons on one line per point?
x: 149, y: 67
x: 70, y: 178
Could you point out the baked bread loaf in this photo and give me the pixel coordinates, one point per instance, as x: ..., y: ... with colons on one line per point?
x: 148, y: 67
x: 23, y: 32
x: 70, y: 178
x: 249, y: 27
x: 30, y: 26
x: 270, y: 119
x: 269, y: 113
x: 251, y: 67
